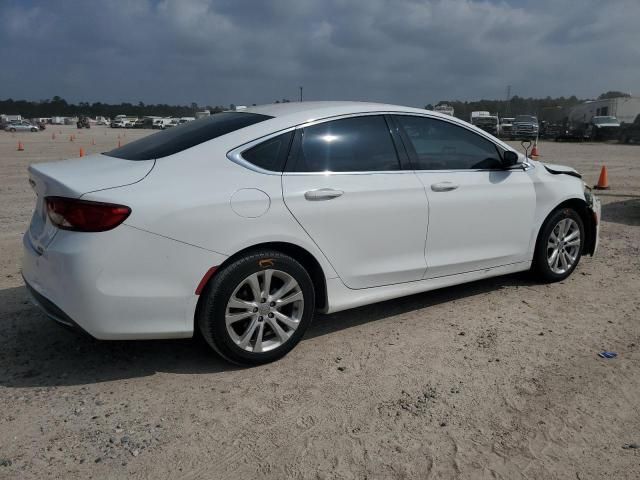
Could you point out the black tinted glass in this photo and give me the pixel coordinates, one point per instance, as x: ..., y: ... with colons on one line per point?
x: 356, y: 144
x: 440, y: 145
x: 190, y: 134
x: 270, y: 154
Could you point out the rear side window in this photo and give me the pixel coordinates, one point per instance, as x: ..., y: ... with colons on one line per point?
x: 440, y: 145
x: 187, y: 135
x: 271, y: 154
x: 358, y: 144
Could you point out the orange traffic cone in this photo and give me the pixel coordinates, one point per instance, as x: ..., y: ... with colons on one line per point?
x: 93, y: 142
x: 71, y: 138
x: 81, y: 152
x: 53, y: 136
x: 20, y: 147
x: 534, y: 150
x: 603, y: 181
x: 119, y: 144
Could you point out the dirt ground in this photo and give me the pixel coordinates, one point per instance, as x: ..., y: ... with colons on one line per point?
x: 495, y: 379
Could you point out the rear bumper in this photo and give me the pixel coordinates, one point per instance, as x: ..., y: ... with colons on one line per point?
x: 52, y: 310
x: 118, y: 285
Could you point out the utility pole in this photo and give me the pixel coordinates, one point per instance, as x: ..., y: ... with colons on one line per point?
x: 300, y: 93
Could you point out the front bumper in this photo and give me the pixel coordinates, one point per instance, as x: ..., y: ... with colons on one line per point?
x: 596, y: 210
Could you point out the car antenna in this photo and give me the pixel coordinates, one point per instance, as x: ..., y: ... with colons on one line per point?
x: 526, y: 144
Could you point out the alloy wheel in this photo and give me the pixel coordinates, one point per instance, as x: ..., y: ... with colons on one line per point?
x: 563, y: 246
x: 264, y: 310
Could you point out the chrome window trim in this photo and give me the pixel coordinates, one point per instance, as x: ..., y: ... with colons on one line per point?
x: 235, y: 155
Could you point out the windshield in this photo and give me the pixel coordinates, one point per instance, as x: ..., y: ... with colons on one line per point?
x: 599, y: 120
x: 186, y: 135
x: 526, y: 118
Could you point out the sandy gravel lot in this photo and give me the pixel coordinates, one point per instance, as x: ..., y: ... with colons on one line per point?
x: 495, y: 379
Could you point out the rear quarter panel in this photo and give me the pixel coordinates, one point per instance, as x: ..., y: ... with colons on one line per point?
x: 187, y: 197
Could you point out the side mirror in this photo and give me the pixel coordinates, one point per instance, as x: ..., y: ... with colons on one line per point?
x: 509, y: 158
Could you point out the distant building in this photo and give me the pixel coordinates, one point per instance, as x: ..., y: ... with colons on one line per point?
x: 625, y: 109
x: 10, y: 118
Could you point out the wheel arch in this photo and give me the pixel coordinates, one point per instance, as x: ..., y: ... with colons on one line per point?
x: 306, y: 259
x: 586, y: 215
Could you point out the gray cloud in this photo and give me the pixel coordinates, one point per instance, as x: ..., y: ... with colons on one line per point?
x: 408, y: 52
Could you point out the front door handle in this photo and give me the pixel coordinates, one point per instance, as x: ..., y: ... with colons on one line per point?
x: 322, y: 194
x: 443, y: 186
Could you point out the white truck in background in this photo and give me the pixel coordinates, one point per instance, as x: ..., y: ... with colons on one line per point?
x: 487, y: 122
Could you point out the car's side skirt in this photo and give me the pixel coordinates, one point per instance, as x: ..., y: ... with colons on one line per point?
x: 342, y: 298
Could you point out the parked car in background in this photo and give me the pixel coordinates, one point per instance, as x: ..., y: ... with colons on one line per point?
x: 525, y: 127
x: 603, y: 128
x: 122, y: 121
x: 160, y: 123
x: 288, y: 209
x: 506, y: 126
x: 630, y: 132
x: 172, y: 123
x: 485, y: 121
x: 186, y: 119
x: 21, y: 126
x: 83, y: 122
x: 549, y: 130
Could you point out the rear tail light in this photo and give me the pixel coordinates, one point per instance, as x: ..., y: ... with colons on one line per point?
x: 84, y: 215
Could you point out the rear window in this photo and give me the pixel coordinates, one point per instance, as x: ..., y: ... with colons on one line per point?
x: 186, y: 135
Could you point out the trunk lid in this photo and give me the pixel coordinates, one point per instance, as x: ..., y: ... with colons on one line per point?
x: 74, y: 178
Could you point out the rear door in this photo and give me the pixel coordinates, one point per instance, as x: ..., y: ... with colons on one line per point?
x: 480, y: 215
x: 347, y: 188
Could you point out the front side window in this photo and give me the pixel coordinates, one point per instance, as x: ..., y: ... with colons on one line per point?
x: 440, y: 145
x: 357, y: 144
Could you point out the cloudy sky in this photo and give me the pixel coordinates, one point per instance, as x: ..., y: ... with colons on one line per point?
x: 243, y: 52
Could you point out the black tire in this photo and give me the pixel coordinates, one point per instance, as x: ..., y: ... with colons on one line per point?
x: 210, y: 316
x: 12, y: 130
x: 541, y: 268
x: 34, y: 129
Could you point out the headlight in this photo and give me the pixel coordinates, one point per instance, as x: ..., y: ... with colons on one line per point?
x: 588, y: 195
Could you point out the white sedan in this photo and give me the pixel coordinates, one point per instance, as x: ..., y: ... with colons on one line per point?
x: 243, y: 224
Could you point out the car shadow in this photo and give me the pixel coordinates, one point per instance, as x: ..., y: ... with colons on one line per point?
x: 625, y: 212
x: 36, y: 352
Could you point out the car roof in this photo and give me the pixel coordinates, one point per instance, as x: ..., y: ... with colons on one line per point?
x: 290, y: 114
x: 297, y: 113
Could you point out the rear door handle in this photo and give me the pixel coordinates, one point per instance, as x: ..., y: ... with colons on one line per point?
x: 322, y: 194
x: 443, y: 186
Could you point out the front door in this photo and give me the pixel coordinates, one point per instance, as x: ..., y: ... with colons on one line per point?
x: 480, y: 215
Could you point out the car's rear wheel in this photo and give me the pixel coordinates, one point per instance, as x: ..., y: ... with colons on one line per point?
x: 257, y: 309
x: 559, y: 245
x: 12, y: 130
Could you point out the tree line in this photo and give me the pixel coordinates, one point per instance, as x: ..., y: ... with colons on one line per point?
x: 552, y: 109
x: 60, y: 107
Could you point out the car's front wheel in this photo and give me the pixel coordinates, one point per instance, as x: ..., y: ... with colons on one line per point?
x: 559, y: 245
x: 256, y: 309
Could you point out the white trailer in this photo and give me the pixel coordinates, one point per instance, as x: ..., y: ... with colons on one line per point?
x: 444, y: 108
x: 625, y: 109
